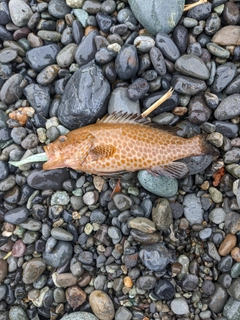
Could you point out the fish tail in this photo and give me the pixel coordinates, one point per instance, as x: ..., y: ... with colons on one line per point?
x: 206, y: 147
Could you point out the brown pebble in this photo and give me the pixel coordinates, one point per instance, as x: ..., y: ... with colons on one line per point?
x: 235, y: 253
x: 227, y: 36
x: 18, y: 249
x: 88, y: 29
x: 128, y: 282
x: 101, y: 305
x: 75, y: 296
x: 21, y: 33
x: 176, y: 267
x: 179, y: 111
x: 227, y: 245
x: 65, y: 280
x: 33, y: 270
x: 84, y: 280
x: 3, y: 269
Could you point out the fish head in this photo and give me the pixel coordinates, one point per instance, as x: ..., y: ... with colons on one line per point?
x: 68, y: 151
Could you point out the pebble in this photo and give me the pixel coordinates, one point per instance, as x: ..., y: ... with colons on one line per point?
x: 85, y: 95
x: 75, y: 296
x: 232, y: 309
x: 101, y: 305
x: 164, y: 289
x: 228, y: 109
x: 218, y: 299
x: 120, y: 101
x: 42, y: 180
x: 135, y: 91
x: 3, y: 269
x: 155, y: 15
x: 79, y: 315
x: 162, y: 214
x: 227, y: 36
x: 217, y: 215
x: 155, y: 257
x: 187, y: 85
x: 142, y: 224
x: 33, y: 270
x: 123, y: 313
x: 179, y: 306
x: 12, y: 89
x: 58, y: 9
x: 61, y: 234
x: 16, y: 216
x: 161, y: 185
x: 227, y: 245
x: 193, y: 66
x: 20, y: 12
x: 193, y: 210
x: 224, y: 75
x: 167, y: 46
x: 127, y: 62
x: 60, y: 254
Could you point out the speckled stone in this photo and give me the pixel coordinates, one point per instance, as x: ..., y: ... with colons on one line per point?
x: 161, y: 185
x: 80, y: 315
x: 101, y: 305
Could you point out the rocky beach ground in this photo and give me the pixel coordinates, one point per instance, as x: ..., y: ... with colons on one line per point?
x: 159, y: 248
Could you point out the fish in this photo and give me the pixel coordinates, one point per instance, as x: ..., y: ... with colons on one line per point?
x: 122, y: 142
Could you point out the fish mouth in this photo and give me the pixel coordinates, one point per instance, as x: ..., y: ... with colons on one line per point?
x: 54, y: 161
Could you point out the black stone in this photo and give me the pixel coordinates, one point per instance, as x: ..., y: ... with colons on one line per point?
x: 180, y: 37
x: 164, y: 289
x: 168, y: 105
x: 85, y: 97
x: 17, y: 215
x: 188, y: 85
x: 200, y: 12
x: 127, y: 62
x: 224, y: 75
x: 167, y: 46
x: 42, y: 180
x: 38, y: 97
x: 104, y: 21
x: 86, y: 49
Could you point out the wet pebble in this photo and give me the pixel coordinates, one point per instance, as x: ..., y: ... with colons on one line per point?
x: 193, y: 210
x: 224, y: 75
x: 127, y: 62
x: 16, y: 215
x: 137, y: 89
x: 33, y: 270
x: 193, y: 66
x: 161, y: 186
x: 60, y: 254
x: 101, y: 305
x: 179, y: 306
x: 20, y: 12
x: 187, y: 85
x: 120, y: 99
x: 61, y: 234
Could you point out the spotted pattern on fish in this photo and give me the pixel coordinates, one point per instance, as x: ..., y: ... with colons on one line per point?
x: 123, y: 144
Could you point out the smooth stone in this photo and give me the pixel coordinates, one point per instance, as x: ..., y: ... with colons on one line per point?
x: 224, y: 75
x: 12, y: 89
x: 144, y: 43
x: 102, y: 305
x: 233, y: 86
x: 41, y: 57
x: 123, y: 313
x: 42, y: 180
x: 38, y: 97
x: 180, y: 37
x: 217, y: 50
x: 217, y: 215
x: 167, y: 46
x: 17, y: 215
x: 20, y: 12
x: 61, y: 234
x: 157, y: 15
x: 158, y: 61
x: 187, y: 85
x: 79, y: 315
x: 4, y: 169
x: 228, y: 108
x: 7, y: 183
x: 155, y: 257
x: 105, y: 55
x: 193, y: 66
x: 232, y: 309
x: 213, y: 24
x: 145, y: 238
x: 147, y: 282
x: 227, y: 36
x: 58, y: 8
x: 164, y: 289
x: 136, y: 90
x: 3, y: 269
x: 33, y: 270
x: 65, y: 280
x: 82, y: 16
x: 47, y: 35
x: 31, y: 224
x: 189, y: 282
x: 4, y: 13
x: 142, y: 224
x: 231, y: 14
x: 48, y: 75
x: 198, y: 111
x: 162, y: 214
x: 193, y: 210
x: 227, y: 245
x: 75, y: 296
x: 161, y: 185
x: 119, y: 102
x: 179, y: 306
x: 61, y: 254
x: 227, y: 129
x: 86, y: 50
x: 218, y: 299
x: 7, y: 55
x: 234, y: 289
x: 127, y: 62
x: 16, y: 312
x: 85, y: 97
x: 200, y: 12
x: 104, y: 21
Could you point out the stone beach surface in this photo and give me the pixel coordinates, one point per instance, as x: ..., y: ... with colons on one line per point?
x: 158, y: 247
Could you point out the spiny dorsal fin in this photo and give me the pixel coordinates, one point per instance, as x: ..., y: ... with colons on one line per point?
x: 124, y: 117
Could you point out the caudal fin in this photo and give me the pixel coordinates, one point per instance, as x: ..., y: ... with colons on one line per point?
x: 206, y: 147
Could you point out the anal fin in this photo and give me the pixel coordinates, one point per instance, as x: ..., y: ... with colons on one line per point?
x: 176, y: 170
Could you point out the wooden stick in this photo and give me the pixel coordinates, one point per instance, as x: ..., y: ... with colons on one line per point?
x: 156, y: 104
x: 192, y: 5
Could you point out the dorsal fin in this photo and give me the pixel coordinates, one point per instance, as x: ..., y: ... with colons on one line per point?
x: 133, y: 118
x: 124, y: 117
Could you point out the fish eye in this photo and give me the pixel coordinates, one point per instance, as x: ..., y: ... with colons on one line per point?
x: 62, y: 139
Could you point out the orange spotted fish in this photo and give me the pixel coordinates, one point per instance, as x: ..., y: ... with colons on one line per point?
x: 121, y: 143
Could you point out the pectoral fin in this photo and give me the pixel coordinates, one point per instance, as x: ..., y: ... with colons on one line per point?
x: 102, y: 151
x: 176, y: 170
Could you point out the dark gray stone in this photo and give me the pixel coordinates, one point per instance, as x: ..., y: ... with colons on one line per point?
x: 86, y: 50
x: 60, y: 254
x: 228, y: 108
x: 42, y: 180
x: 188, y: 85
x: 85, y: 97
x: 127, y: 62
x: 39, y: 98
x: 193, y: 66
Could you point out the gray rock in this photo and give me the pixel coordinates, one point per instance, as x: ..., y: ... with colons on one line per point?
x: 79, y: 315
x: 157, y: 15
x: 42, y: 180
x: 20, y: 12
x: 86, y: 50
x: 232, y: 309
x: 85, y: 97
x: 179, y: 306
x: 218, y: 299
x: 197, y: 164
x: 12, y: 89
x: 127, y: 62
x: 188, y: 85
x: 58, y: 8
x: 193, y: 66
x: 193, y: 210
x: 119, y: 101
x: 38, y: 97
x: 228, y: 108
x: 60, y: 254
